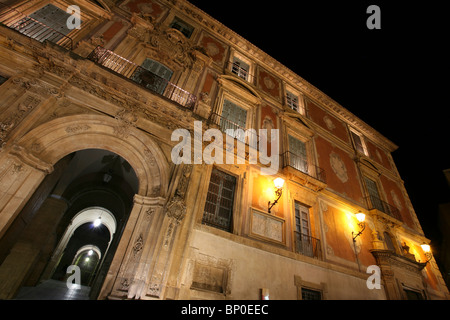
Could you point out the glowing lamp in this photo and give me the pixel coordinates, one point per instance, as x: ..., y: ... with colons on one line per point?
x: 360, y: 217
x: 426, y: 247
x: 427, y: 250
x: 97, y: 222
x: 278, y: 182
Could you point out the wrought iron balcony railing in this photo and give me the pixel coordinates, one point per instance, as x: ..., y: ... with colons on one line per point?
x: 301, y: 164
x: 235, y: 130
x: 32, y: 28
x: 307, y: 245
x: 376, y: 203
x: 142, y: 77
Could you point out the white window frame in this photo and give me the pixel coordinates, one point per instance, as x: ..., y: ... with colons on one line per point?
x: 307, y: 140
x: 251, y: 68
x: 301, y: 105
x: 363, y: 142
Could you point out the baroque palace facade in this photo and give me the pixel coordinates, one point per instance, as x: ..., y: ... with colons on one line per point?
x: 87, y: 177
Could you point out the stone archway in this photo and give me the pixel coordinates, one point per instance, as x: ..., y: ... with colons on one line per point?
x: 24, y: 165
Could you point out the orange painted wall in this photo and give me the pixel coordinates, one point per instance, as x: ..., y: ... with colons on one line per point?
x: 147, y: 6
x: 382, y: 158
x: 269, y: 84
x: 112, y: 30
x: 318, y: 116
x: 339, y: 228
x: 216, y: 49
x: 352, y: 187
x: 390, y: 188
x: 263, y: 192
x: 268, y: 121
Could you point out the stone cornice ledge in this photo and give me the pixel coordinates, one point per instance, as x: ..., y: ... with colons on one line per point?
x: 212, y: 24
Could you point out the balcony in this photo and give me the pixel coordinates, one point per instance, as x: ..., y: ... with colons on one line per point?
x: 32, y: 28
x: 235, y: 130
x: 382, y: 206
x: 299, y: 163
x: 142, y: 77
x: 307, y: 245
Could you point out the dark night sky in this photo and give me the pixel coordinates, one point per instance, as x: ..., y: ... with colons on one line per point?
x: 393, y: 78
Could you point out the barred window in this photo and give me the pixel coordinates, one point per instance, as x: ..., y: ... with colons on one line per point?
x: 219, y: 201
x: 240, y: 68
x: 48, y: 23
x: 292, y: 101
x: 309, y: 294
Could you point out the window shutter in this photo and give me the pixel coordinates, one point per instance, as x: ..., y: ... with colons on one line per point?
x: 297, y: 156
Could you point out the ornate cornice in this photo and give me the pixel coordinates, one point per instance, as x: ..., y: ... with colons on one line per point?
x: 391, y: 258
x: 269, y: 62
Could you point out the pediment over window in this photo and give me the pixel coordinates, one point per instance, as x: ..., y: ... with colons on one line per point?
x: 241, y: 87
x: 294, y: 119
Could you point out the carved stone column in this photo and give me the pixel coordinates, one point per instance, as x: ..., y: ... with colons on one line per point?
x: 133, y: 258
x: 20, y: 175
x: 175, y: 213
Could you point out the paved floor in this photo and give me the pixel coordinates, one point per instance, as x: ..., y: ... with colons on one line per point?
x: 53, y: 290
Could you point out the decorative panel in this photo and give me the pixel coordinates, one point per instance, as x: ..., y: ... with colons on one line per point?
x: 267, y: 227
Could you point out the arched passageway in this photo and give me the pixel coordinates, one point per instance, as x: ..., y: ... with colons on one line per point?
x: 94, y: 194
x: 64, y: 167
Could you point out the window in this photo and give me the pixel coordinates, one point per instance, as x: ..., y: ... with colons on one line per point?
x: 302, y: 219
x: 292, y: 101
x: 309, y: 294
x: 297, y: 154
x: 305, y: 244
x: 233, y: 117
x: 359, y: 143
x: 182, y: 26
x: 240, y: 68
x: 52, y: 26
x: 374, y: 195
x: 153, y: 75
x: 219, y: 201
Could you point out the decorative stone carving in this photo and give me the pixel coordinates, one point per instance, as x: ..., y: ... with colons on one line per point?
x: 78, y: 128
x: 184, y: 180
x: 138, y: 245
x: 23, y: 108
x: 149, y: 213
x: 204, y: 97
x: 176, y: 209
x: 338, y: 167
x: 328, y: 122
x: 127, y: 118
x: 172, y: 45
